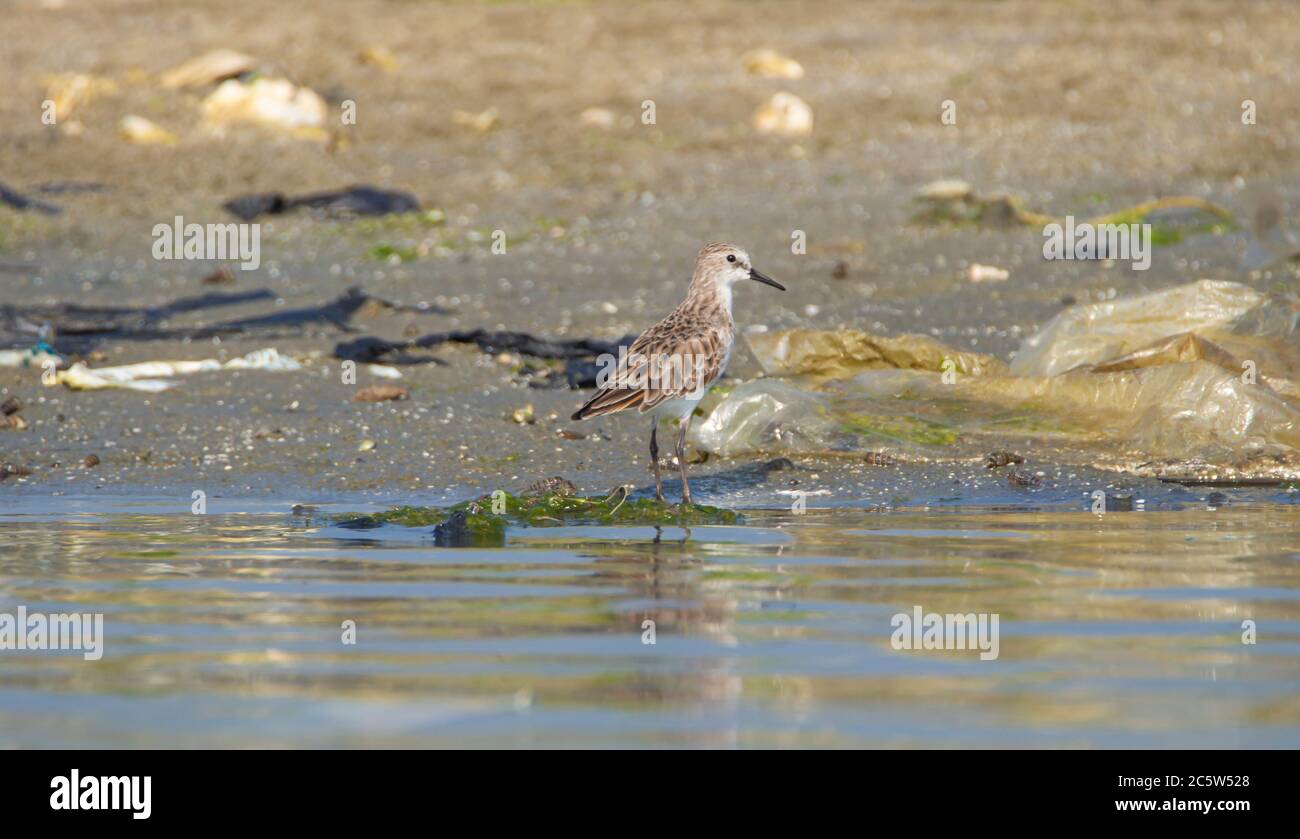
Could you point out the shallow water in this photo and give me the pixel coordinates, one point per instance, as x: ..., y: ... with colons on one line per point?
x: 224, y: 629
x: 1119, y: 630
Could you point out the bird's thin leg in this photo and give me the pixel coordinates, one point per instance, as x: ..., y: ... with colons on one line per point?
x: 681, y: 458
x: 654, y: 458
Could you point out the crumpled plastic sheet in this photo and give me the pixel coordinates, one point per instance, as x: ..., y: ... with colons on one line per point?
x: 835, y: 354
x: 153, y: 376
x: 37, y: 357
x: 1203, y: 371
x: 765, y: 415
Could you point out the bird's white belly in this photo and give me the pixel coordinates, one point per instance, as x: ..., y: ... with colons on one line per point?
x: 681, y: 407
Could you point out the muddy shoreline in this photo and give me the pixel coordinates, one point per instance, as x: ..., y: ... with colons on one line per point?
x: 602, y: 224
x: 891, y: 442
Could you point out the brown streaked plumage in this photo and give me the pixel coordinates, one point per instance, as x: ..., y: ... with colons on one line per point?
x: 671, y: 366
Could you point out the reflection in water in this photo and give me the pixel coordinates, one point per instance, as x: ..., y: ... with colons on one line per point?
x: 226, y: 630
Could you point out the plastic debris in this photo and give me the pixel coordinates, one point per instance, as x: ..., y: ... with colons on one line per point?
x: 267, y: 359
x: 1091, y: 333
x: 1270, y: 243
x: 839, y: 353
x: 40, y: 357
x: 764, y: 415
x: 1204, y: 373
x: 383, y: 371
x: 987, y: 274
x: 785, y: 115
x: 154, y: 376
x: 945, y: 190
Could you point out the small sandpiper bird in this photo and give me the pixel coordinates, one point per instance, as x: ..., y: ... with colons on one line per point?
x: 667, y: 371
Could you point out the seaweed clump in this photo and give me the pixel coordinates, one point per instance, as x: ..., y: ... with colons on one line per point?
x: 551, y: 503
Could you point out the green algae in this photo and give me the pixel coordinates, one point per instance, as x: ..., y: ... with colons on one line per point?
x: 413, y: 222
x: 901, y: 429
x: 484, y: 520
x: 387, y: 252
x: 150, y: 554
x: 1038, y: 419
x: 994, y: 211
x: 1172, y: 232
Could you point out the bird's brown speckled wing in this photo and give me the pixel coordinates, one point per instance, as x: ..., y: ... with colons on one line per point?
x: 671, y: 359
x: 693, y: 363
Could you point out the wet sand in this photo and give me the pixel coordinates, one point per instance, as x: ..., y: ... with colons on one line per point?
x: 1119, y: 629
x: 1075, y: 108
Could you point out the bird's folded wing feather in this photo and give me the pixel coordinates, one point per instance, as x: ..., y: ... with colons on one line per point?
x: 685, y: 370
x: 625, y: 386
x: 660, y: 366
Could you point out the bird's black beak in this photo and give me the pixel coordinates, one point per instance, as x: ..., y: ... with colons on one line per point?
x: 764, y: 279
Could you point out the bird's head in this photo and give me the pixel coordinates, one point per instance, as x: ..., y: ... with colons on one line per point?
x: 723, y: 265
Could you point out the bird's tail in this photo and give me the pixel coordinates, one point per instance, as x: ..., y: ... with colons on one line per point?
x: 608, y: 402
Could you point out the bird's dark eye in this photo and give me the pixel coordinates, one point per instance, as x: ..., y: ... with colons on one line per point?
x: 731, y: 257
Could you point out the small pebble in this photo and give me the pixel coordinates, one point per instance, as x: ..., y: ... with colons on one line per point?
x: 1021, y: 478
x: 380, y: 393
